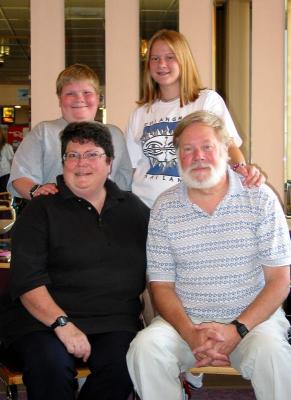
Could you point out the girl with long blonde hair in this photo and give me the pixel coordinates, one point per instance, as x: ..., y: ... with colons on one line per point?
x: 171, y: 90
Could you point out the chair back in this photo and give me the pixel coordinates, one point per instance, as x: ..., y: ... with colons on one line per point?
x: 6, y: 196
x: 7, y: 219
x: 5, y: 203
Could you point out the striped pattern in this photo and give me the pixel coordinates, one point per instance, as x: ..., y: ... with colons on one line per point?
x: 216, y: 260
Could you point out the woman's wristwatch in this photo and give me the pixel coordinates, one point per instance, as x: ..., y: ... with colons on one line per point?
x: 33, y: 190
x: 60, y: 321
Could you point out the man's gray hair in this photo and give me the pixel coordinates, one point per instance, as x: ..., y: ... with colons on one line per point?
x: 204, y: 118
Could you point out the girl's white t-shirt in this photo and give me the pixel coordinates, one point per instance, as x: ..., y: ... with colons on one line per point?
x: 150, y: 141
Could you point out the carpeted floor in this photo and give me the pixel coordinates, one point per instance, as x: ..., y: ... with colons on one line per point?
x: 201, y: 394
x: 216, y: 387
x: 223, y: 394
x: 207, y: 394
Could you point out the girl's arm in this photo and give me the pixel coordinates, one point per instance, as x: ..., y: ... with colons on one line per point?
x: 253, y: 176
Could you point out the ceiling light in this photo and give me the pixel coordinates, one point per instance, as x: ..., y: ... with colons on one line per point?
x: 4, y: 49
x: 143, y: 48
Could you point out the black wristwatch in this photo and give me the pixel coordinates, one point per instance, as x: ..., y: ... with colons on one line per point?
x: 60, y: 321
x: 242, y: 330
x: 33, y: 190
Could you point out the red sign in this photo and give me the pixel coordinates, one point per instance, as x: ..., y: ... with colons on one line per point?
x: 15, y: 135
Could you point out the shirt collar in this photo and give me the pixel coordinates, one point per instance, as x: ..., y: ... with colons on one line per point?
x: 113, y: 191
x: 235, y: 182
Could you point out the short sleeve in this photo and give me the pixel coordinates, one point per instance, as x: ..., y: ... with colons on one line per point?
x: 133, y: 139
x: 27, y: 161
x: 160, y: 262
x: 122, y: 171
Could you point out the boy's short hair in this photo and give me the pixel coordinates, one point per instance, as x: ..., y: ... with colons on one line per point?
x: 77, y: 72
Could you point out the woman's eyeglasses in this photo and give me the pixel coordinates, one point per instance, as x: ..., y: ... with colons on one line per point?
x: 74, y: 157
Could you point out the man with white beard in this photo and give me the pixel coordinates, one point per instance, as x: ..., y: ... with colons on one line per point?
x: 218, y: 266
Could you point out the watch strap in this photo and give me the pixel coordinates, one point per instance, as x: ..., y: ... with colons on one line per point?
x: 33, y: 190
x: 242, y: 330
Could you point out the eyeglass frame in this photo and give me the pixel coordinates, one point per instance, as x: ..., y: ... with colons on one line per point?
x: 83, y: 156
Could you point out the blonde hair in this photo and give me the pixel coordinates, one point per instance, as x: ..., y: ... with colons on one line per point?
x: 77, y: 72
x: 190, y: 84
x: 205, y: 118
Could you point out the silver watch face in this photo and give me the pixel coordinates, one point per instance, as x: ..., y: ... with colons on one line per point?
x: 62, y: 321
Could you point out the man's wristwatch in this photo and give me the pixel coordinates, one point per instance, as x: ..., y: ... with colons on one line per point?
x: 60, y: 321
x: 33, y: 190
x: 242, y: 330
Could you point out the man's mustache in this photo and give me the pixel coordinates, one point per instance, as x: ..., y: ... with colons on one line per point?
x: 199, y: 164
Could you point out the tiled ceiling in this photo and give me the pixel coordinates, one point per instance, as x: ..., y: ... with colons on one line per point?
x: 85, y: 33
x: 15, y: 33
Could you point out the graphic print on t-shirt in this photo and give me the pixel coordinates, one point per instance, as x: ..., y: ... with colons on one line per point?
x: 157, y: 146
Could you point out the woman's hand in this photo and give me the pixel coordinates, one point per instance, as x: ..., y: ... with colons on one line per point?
x: 75, y: 341
x: 40, y: 304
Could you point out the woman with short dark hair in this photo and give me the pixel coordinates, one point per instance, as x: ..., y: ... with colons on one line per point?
x: 77, y: 273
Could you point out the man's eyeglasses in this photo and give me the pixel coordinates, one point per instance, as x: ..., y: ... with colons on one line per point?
x: 74, y: 157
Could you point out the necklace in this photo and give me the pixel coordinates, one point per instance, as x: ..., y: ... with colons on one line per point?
x: 168, y: 100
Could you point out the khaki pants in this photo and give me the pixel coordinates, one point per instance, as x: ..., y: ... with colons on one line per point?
x: 158, y: 355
